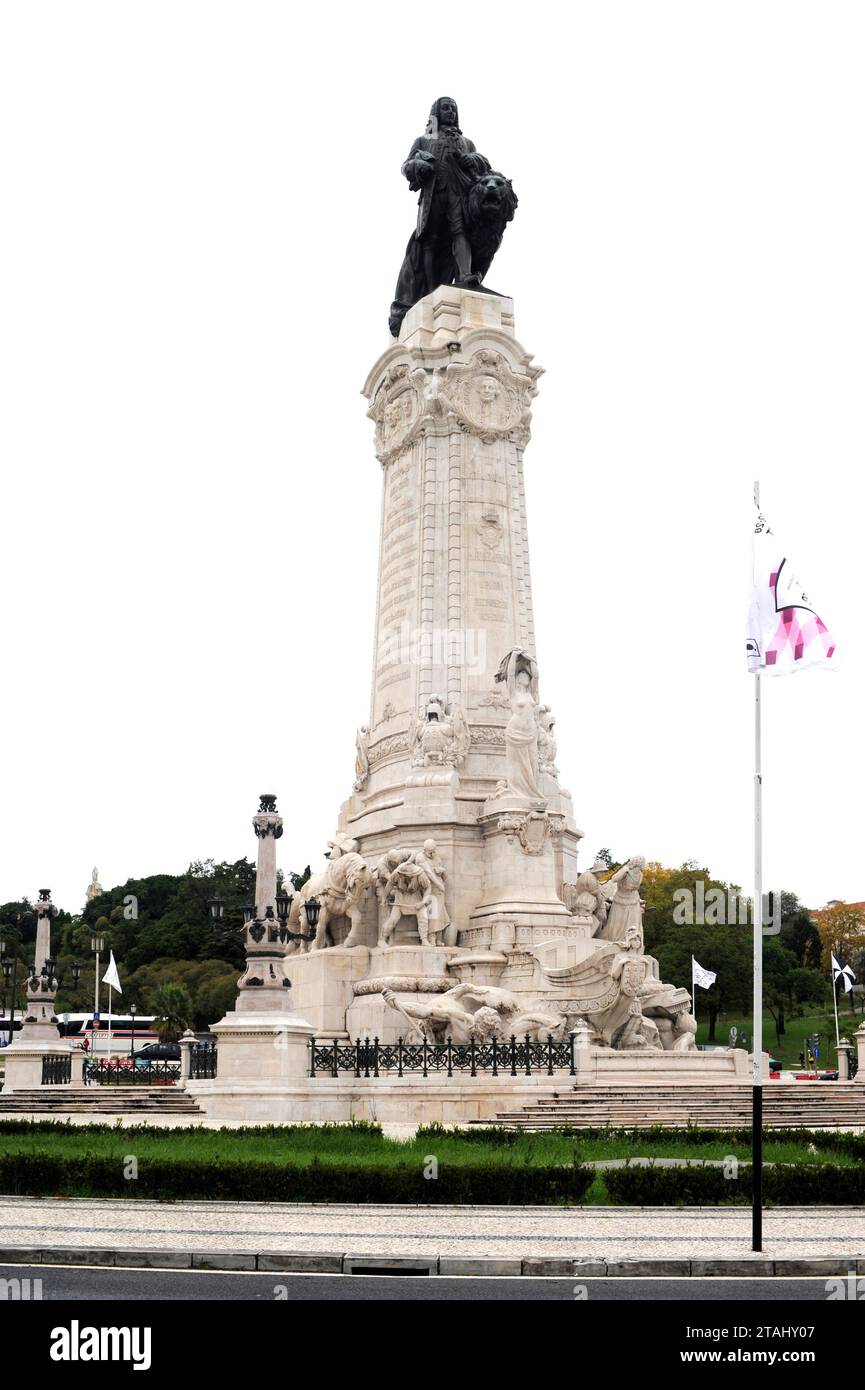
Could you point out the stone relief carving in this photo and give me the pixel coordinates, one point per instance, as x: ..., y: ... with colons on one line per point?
x: 532, y: 829
x: 477, y: 1011
x: 441, y: 735
x: 489, y: 398
x: 547, y: 747
x: 386, y: 747
x: 497, y: 699
x: 361, y: 762
x: 398, y: 409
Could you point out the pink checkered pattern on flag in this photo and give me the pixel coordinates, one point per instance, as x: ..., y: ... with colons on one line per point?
x: 785, y: 633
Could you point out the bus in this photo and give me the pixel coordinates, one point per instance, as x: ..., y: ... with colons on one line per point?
x: 90, y: 1031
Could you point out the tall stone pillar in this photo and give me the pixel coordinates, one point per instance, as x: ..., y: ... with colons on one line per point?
x: 451, y: 401
x: 264, y: 983
x: 268, y: 829
x: 39, y: 1036
x: 263, y: 1038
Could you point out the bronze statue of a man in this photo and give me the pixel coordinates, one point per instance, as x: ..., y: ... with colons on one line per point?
x: 445, y: 168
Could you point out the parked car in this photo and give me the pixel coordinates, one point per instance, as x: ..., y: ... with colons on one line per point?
x: 157, y: 1052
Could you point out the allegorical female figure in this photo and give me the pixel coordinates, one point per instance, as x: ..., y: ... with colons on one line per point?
x: 519, y: 671
x: 626, y: 910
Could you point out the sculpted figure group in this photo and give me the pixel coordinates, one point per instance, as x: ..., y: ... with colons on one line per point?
x: 464, y: 206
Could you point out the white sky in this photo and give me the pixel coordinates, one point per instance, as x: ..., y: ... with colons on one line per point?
x: 204, y: 218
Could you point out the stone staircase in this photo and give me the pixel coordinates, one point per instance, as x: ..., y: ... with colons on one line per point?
x: 95, y: 1101
x: 829, y: 1104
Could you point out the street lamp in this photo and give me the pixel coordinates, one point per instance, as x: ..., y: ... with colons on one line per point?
x: 217, y: 910
x: 97, y: 944
x: 132, y: 1013
x: 10, y: 977
x: 312, y: 908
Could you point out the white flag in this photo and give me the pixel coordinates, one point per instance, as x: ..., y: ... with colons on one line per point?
x: 704, y: 978
x: 111, y: 976
x: 844, y: 973
x: 784, y: 633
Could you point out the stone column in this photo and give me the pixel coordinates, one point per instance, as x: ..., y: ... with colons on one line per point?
x: 859, y: 1039
x: 452, y: 405
x: 39, y: 1036
x: 268, y: 829
x: 262, y: 1038
x: 264, y: 983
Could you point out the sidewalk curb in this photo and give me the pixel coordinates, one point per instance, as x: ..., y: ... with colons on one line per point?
x: 332, y: 1262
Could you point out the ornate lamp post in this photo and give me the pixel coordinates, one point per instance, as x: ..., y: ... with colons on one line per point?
x: 132, y: 1012
x: 42, y: 984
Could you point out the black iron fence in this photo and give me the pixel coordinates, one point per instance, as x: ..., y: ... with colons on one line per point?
x: 127, y: 1071
x: 202, y: 1062
x: 496, y: 1057
x: 57, y: 1069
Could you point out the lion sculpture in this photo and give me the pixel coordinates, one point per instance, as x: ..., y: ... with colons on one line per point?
x: 490, y: 204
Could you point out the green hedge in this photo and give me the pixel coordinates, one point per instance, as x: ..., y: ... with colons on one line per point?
x: 786, y: 1184
x: 483, y: 1184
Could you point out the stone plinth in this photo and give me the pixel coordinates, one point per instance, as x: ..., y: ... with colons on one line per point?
x: 262, y: 1047
x: 322, y: 986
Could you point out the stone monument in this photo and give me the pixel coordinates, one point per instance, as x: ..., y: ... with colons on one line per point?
x: 450, y: 903
x: 39, y: 1036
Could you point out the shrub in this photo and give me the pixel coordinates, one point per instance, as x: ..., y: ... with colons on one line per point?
x: 478, y: 1183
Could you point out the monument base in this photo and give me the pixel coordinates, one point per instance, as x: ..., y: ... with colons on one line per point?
x: 24, y: 1057
x: 262, y: 1047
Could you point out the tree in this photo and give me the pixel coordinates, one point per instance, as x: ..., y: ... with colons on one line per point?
x: 799, y: 934
x: 842, y: 931
x: 172, y: 1010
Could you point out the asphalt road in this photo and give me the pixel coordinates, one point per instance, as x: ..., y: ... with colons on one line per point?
x: 81, y: 1283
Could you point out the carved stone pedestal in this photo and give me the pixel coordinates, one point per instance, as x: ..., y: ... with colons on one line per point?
x: 262, y: 1047
x: 520, y: 870
x: 420, y: 972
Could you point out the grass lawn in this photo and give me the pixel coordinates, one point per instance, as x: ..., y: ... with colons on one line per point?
x: 792, y: 1039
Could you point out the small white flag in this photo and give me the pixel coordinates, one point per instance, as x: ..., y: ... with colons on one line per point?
x: 704, y: 978
x: 111, y: 976
x: 784, y: 632
x: 843, y: 973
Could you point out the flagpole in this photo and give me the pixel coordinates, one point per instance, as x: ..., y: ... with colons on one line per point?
x: 757, y: 1039
x: 693, y: 994
x: 109, y: 1020
x: 835, y: 998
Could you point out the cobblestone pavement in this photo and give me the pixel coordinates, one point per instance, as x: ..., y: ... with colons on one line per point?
x: 511, y: 1232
